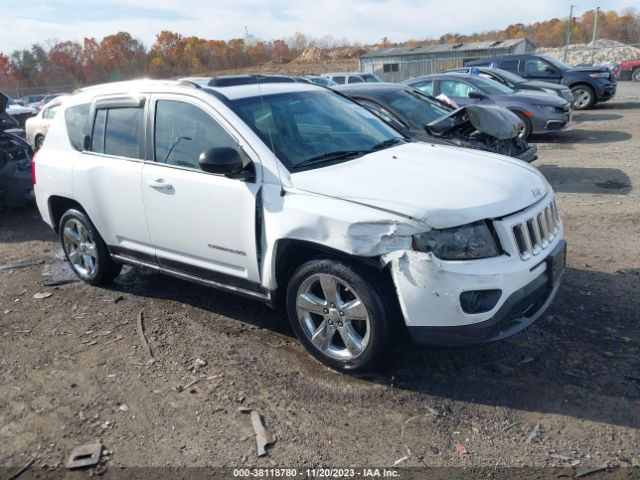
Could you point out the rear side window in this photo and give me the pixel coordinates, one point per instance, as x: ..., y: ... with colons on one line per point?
x: 339, y: 80
x: 77, y: 119
x: 116, y: 131
x: 509, y: 65
x: 425, y: 87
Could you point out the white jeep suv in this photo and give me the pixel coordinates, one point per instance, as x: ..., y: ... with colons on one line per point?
x: 293, y: 192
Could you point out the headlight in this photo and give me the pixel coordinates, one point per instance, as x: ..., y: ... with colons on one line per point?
x: 547, y: 108
x: 461, y: 143
x: 459, y: 243
x: 599, y: 75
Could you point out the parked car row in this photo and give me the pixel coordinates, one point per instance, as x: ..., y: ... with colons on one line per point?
x: 589, y: 85
x: 295, y: 195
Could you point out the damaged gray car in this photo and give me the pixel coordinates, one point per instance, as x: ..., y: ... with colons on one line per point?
x: 425, y: 118
x: 16, y: 184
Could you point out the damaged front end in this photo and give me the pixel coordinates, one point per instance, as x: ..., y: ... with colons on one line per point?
x: 16, y: 185
x: 484, y: 127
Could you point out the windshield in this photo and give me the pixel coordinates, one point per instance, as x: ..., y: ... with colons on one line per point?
x: 415, y: 107
x: 315, y: 127
x: 490, y: 87
x: 557, y: 62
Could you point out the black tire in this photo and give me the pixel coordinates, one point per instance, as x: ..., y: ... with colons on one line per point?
x: 104, y: 268
x: 526, y: 130
x: 635, y: 76
x: 371, y: 293
x: 583, y: 97
x: 38, y: 142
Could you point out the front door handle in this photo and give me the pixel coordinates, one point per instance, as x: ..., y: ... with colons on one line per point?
x: 160, y: 184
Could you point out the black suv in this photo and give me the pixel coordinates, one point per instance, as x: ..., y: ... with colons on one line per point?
x: 588, y: 84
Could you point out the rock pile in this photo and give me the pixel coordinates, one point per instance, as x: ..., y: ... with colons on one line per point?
x: 605, y: 51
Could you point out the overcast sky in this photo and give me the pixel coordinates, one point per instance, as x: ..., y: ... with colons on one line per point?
x: 29, y: 21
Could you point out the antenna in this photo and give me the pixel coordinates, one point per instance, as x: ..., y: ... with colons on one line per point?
x: 273, y: 148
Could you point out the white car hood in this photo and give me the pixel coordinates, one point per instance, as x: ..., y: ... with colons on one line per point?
x: 439, y: 185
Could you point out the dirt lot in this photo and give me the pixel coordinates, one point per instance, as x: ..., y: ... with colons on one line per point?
x: 72, y: 369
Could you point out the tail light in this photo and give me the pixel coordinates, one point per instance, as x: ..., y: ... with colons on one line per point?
x: 33, y: 168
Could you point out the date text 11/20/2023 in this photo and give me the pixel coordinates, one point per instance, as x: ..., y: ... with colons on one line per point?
x: 315, y: 473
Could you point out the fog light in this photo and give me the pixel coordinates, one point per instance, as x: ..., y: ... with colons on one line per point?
x: 479, y: 301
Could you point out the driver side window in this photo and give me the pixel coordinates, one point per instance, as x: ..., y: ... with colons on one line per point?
x: 183, y: 131
x: 536, y: 66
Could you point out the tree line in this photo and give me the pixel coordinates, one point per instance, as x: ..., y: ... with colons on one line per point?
x: 122, y: 56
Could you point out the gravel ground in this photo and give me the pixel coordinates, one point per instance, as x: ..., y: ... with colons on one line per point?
x: 564, y: 393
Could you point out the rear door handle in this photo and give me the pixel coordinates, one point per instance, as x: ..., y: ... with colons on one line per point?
x: 160, y: 184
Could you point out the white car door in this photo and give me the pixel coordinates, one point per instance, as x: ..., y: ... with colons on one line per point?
x: 106, y: 179
x: 201, y: 224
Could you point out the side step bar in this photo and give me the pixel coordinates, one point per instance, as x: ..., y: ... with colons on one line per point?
x: 264, y: 297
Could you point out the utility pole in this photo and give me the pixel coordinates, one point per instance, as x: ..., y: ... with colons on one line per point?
x: 568, y: 38
x: 595, y: 30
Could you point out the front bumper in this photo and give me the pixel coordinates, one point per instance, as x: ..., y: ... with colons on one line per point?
x: 529, y: 155
x: 521, y: 309
x: 608, y: 92
x: 429, y: 289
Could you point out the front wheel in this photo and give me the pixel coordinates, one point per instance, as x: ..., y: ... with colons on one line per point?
x: 339, y: 314
x: 525, y: 133
x: 583, y: 97
x: 636, y: 75
x: 85, y: 250
x: 38, y: 143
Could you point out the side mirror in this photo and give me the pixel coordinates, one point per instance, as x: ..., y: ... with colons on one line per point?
x: 225, y: 161
x: 476, y: 94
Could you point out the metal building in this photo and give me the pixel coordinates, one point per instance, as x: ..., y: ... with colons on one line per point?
x: 399, y: 63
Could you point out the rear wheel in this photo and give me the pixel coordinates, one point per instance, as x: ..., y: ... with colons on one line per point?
x: 339, y: 314
x: 583, y: 97
x: 85, y: 250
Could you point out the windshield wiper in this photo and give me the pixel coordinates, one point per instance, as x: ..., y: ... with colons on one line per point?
x: 330, y: 156
x: 386, y: 144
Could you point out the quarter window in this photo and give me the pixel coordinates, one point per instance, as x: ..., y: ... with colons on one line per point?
x: 77, y: 118
x: 183, y: 131
x: 50, y: 112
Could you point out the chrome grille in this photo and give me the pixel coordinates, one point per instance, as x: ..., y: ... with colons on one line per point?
x: 535, y: 234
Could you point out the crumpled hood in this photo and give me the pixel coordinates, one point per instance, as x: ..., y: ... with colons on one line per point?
x: 490, y: 119
x: 439, y: 185
x: 6, y: 120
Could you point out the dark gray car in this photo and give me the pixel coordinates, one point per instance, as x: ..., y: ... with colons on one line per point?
x: 16, y: 185
x: 421, y: 117
x: 517, y: 82
x: 540, y: 112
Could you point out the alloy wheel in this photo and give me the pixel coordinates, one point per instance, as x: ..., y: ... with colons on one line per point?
x: 80, y: 248
x: 581, y: 97
x: 333, y: 316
